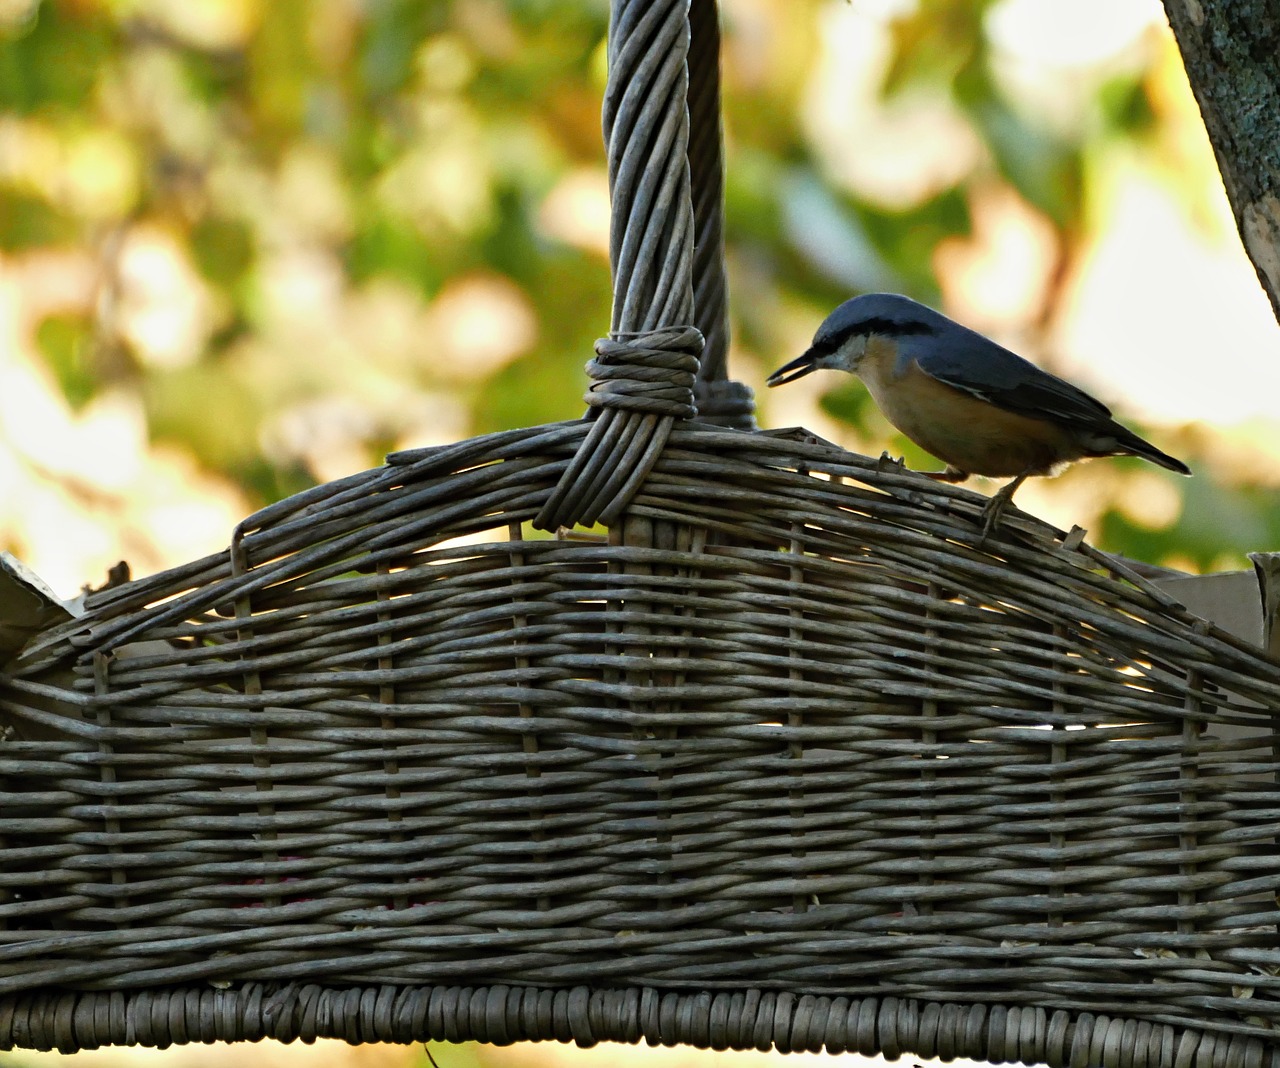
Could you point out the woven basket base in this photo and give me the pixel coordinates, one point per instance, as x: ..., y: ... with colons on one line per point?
x: 500, y: 1015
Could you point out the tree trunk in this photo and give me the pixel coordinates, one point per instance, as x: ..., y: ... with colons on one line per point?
x: 1231, y: 49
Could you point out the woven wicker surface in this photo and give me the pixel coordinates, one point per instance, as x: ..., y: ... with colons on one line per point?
x: 818, y: 743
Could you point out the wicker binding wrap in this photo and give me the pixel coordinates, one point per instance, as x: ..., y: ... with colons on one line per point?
x: 786, y: 759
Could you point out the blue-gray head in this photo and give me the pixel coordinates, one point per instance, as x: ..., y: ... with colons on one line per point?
x: 841, y: 340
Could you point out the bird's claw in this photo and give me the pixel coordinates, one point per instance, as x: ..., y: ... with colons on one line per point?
x: 995, y: 508
x: 992, y: 512
x: 886, y: 461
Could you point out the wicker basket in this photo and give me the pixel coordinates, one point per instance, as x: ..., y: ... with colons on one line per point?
x: 788, y: 758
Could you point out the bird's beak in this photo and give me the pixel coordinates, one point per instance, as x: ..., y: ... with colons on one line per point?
x: 797, y: 368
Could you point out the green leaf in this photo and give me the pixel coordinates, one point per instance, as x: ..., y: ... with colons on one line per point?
x: 1045, y: 169
x: 223, y: 249
x: 209, y: 411
x: 850, y: 403
x: 65, y: 341
x: 545, y: 386
x: 1125, y: 106
x: 29, y: 222
x: 58, y: 61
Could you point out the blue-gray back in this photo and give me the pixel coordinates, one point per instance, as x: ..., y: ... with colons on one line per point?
x: 965, y: 360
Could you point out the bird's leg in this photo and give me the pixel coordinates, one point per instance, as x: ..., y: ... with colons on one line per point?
x: 997, y: 504
x: 951, y: 474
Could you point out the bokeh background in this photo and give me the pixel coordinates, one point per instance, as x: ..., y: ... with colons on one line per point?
x: 251, y: 245
x: 248, y: 245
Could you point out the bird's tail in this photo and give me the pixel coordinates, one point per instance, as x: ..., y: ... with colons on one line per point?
x: 1128, y: 443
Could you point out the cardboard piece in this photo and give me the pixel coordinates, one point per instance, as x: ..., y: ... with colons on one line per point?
x: 27, y: 606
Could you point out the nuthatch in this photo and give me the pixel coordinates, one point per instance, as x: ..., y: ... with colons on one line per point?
x: 976, y: 406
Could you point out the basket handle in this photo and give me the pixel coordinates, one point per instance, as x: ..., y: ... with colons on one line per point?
x: 645, y: 373
x: 720, y: 400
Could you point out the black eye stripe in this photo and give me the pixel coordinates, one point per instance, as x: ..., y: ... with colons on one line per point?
x: 890, y: 328
x: 824, y: 346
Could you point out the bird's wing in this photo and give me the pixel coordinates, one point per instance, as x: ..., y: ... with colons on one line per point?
x: 980, y: 367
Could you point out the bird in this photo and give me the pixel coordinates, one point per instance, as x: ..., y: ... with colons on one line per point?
x: 972, y: 403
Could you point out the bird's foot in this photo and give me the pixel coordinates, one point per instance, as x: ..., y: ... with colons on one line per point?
x: 992, y: 512
x: 995, y: 507
x: 886, y: 461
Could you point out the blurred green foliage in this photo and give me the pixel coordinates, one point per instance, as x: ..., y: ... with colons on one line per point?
x: 364, y: 194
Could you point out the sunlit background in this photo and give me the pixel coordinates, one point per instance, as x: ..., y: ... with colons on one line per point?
x: 331, y: 1053
x: 250, y: 245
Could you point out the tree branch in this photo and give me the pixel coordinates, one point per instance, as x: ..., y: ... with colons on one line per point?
x: 1231, y: 50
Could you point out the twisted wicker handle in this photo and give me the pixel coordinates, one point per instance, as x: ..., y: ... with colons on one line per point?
x: 646, y: 371
x: 720, y: 400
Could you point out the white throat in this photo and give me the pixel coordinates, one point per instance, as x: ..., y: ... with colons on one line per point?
x: 848, y: 356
